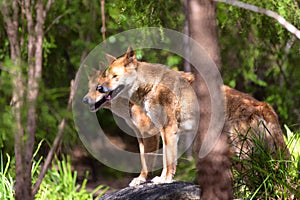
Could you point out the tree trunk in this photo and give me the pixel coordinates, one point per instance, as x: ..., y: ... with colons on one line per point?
x: 214, y: 169
x: 35, y: 57
x: 12, y: 25
x: 35, y: 19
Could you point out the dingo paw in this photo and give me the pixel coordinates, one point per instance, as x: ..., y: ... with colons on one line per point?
x: 137, y: 181
x: 159, y: 180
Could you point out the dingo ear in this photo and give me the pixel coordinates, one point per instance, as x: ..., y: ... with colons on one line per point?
x: 101, y: 66
x: 89, y: 71
x: 130, y: 52
x: 130, y: 55
x: 110, y: 58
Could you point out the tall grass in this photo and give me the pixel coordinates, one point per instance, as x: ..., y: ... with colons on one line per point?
x: 6, y: 179
x: 264, y: 174
x: 59, y: 183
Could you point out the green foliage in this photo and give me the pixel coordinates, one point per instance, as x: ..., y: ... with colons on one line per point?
x: 6, y: 179
x: 263, y: 174
x: 260, y: 56
x: 60, y: 183
x: 138, y: 13
x: 6, y: 120
x: 254, y: 54
x: 293, y: 142
x: 186, y: 170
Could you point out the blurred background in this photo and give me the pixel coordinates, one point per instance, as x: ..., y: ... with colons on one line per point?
x: 258, y: 56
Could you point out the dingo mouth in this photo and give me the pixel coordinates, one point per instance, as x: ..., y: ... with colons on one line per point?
x: 107, y: 98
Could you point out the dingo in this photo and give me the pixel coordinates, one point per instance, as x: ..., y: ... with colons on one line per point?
x: 161, y: 101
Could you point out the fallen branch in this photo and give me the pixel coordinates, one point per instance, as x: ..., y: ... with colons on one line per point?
x: 291, y: 28
x: 56, y: 142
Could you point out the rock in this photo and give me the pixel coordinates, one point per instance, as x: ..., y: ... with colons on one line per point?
x: 148, y: 191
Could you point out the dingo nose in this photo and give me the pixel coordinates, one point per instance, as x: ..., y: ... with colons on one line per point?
x: 102, y: 89
x: 85, y: 100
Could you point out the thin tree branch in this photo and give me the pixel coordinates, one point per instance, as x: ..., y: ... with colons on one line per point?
x: 23, y: 24
x: 186, y: 31
x: 31, y: 40
x: 12, y: 24
x: 48, y: 6
x: 291, y: 28
x: 56, y: 142
x: 187, y: 65
x: 289, y: 44
x: 103, y: 28
x: 28, y: 13
x: 55, y: 20
x: 4, y: 10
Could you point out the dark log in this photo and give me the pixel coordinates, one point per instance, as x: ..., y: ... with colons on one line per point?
x: 169, y: 191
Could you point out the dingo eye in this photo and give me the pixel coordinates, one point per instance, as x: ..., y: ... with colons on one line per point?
x: 99, y: 88
x: 114, y: 76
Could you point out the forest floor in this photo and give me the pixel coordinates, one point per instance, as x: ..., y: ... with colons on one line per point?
x: 98, y: 174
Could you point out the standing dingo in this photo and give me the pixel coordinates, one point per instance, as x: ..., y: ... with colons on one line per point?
x: 162, y: 102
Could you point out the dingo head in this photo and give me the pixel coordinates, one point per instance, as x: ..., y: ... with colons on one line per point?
x: 120, y: 73
x: 106, y: 86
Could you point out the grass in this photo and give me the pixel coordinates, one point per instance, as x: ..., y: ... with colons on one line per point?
x: 59, y: 183
x: 264, y: 175
x: 6, y: 180
x: 268, y: 175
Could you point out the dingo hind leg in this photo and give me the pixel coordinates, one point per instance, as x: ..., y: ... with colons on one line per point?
x: 169, y: 159
x: 146, y: 145
x: 169, y: 134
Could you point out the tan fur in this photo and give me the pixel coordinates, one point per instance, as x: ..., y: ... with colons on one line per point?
x: 157, y: 107
x: 188, y: 76
x: 244, y: 112
x: 161, y: 102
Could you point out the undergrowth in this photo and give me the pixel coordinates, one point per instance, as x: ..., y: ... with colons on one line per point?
x: 263, y: 175
x: 59, y: 183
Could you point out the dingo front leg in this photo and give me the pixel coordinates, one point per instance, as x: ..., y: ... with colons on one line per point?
x: 144, y: 172
x: 146, y: 145
x: 137, y: 181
